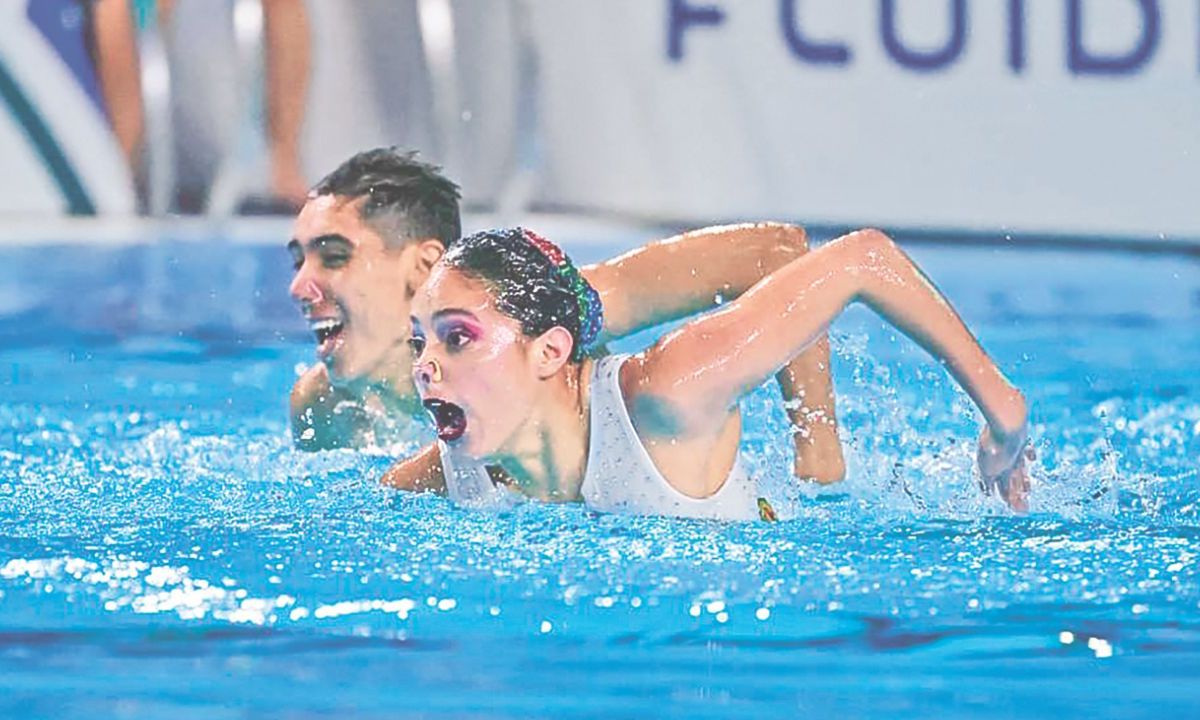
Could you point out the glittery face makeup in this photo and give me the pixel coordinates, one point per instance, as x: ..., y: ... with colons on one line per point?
x: 457, y: 330
x: 470, y: 364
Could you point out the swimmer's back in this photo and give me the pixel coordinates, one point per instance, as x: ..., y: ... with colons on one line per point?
x: 623, y: 473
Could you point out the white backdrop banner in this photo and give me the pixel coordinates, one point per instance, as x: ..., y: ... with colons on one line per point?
x: 1077, y: 117
x: 56, y: 151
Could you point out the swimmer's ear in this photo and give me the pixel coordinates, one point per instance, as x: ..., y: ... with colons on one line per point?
x: 551, y: 350
x: 425, y: 254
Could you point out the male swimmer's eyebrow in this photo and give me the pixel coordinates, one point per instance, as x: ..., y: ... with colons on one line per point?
x: 325, y: 241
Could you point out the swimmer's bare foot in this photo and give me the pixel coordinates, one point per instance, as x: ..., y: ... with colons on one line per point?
x: 1002, y: 467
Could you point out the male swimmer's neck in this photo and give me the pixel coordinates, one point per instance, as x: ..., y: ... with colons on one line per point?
x: 403, y: 400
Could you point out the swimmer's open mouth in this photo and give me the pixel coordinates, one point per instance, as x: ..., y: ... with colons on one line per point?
x: 450, y: 419
x: 326, y: 330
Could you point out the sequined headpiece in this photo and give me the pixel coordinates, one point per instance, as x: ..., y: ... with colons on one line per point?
x: 591, y: 311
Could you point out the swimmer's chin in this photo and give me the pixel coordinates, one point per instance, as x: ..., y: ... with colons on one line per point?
x: 468, y: 444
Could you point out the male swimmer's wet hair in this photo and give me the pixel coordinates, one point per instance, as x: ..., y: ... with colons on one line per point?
x: 405, y: 198
x: 533, y: 282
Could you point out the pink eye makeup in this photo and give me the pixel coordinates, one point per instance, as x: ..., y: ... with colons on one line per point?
x: 458, y: 334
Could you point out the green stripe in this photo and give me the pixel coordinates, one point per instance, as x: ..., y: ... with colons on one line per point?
x: 23, y: 111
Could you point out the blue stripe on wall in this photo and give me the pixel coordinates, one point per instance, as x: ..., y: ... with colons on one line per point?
x: 47, y: 147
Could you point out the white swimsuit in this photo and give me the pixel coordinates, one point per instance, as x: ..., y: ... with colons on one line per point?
x: 620, y: 475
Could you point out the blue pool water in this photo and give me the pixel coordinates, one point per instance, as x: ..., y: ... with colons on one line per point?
x: 165, y: 553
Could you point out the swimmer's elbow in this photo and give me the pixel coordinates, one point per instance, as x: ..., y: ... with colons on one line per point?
x: 872, y: 243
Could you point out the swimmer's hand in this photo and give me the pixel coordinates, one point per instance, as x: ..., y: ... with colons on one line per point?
x: 1002, y: 466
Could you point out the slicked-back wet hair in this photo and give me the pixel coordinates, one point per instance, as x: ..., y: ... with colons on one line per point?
x: 530, y: 286
x: 405, y: 197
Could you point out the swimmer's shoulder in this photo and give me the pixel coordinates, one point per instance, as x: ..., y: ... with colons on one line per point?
x: 312, y: 389
x: 313, y: 402
x: 309, y: 383
x: 420, y: 473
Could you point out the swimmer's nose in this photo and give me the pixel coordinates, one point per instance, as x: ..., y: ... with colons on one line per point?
x: 304, y: 289
x: 427, y: 373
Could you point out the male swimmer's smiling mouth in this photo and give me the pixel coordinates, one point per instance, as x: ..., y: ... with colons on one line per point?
x: 327, y: 330
x: 450, y: 419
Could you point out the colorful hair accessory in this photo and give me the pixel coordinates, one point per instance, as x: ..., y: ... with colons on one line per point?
x: 591, y: 310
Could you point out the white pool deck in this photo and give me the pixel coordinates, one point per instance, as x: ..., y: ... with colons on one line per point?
x: 570, y: 230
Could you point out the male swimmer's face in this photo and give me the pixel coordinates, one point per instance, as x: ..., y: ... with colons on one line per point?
x: 353, y: 289
x: 471, y: 365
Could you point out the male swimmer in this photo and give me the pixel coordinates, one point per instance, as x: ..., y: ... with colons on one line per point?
x: 502, y: 334
x: 371, y: 231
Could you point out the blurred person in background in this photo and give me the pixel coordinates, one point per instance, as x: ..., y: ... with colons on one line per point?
x: 371, y: 231
x: 114, y: 26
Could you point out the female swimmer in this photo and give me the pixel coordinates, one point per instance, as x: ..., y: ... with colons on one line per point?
x: 500, y: 335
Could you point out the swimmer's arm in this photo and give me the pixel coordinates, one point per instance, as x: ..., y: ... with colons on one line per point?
x: 420, y: 473
x: 315, y: 423
x: 695, y: 271
x: 701, y: 370
x: 681, y: 276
